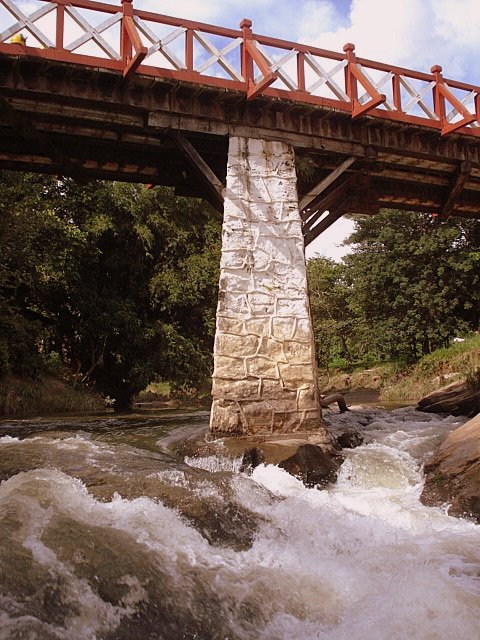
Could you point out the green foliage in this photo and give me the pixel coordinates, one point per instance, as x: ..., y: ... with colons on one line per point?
x: 333, y: 322
x: 416, y: 282
x: 410, y: 285
x: 116, y: 280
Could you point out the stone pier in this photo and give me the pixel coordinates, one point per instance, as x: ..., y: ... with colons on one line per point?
x: 265, y: 378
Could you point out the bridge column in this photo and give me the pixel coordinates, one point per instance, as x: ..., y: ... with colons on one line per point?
x: 265, y: 377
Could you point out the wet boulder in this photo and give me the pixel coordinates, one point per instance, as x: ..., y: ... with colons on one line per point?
x: 311, y: 465
x: 453, y: 475
x: 350, y: 439
x: 251, y: 459
x: 458, y: 399
x: 306, y: 461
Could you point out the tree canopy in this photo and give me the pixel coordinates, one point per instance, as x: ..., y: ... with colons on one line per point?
x: 410, y: 284
x: 117, y: 280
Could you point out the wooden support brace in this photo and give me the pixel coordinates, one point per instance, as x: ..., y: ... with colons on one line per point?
x: 140, y: 51
x: 331, y: 198
x: 269, y: 76
x: 330, y: 218
x: 456, y: 188
x: 377, y: 98
x: 202, y: 170
x: 326, y: 182
x: 468, y: 117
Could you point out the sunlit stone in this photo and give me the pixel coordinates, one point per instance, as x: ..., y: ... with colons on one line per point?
x: 265, y: 372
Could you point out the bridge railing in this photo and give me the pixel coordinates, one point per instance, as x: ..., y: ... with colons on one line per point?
x: 127, y: 40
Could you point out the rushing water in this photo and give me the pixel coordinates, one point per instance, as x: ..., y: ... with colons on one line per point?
x: 104, y: 536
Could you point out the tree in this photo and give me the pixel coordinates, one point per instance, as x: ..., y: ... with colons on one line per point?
x: 117, y: 279
x: 333, y: 321
x: 416, y: 281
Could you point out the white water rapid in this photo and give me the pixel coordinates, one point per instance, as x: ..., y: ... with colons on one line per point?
x: 103, y: 537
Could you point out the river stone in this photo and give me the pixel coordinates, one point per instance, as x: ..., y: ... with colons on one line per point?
x: 350, y: 439
x: 311, y: 465
x: 458, y: 399
x: 453, y: 475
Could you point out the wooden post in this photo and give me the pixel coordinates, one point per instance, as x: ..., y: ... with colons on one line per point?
x: 350, y: 80
x: 60, y: 25
x: 397, y: 96
x: 301, y: 71
x: 438, y: 98
x: 189, y: 49
x: 126, y: 48
x: 247, y: 62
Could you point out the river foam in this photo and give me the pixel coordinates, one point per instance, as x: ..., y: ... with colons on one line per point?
x: 363, y: 560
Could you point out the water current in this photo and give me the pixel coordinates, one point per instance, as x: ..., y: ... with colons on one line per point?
x: 104, y: 536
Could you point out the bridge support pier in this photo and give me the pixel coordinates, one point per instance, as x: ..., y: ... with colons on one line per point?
x: 265, y: 377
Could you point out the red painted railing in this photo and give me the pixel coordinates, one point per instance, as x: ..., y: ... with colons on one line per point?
x: 127, y: 40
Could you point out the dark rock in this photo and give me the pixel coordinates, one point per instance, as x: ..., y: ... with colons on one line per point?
x: 311, y: 465
x: 350, y: 439
x: 251, y: 459
x: 458, y: 399
x: 453, y: 475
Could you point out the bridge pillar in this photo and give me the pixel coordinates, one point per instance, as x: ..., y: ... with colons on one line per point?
x: 265, y: 377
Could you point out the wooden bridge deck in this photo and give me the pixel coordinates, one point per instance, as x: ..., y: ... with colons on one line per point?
x: 105, y: 113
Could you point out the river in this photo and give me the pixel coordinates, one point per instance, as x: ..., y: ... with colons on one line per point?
x: 103, y: 536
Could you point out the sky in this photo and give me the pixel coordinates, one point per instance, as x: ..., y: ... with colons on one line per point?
x: 410, y: 33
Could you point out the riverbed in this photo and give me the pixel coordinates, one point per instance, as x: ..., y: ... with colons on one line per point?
x: 105, y: 536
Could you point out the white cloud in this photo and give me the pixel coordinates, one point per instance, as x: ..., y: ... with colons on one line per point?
x: 414, y: 33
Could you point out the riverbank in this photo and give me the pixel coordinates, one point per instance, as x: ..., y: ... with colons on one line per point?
x: 396, y: 382
x: 46, y: 395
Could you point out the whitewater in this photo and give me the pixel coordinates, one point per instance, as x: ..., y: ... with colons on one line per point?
x: 103, y: 536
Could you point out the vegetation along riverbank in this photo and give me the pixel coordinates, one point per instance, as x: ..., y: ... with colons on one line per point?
x: 106, y: 288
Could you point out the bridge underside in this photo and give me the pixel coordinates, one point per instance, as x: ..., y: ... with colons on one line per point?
x: 92, y: 123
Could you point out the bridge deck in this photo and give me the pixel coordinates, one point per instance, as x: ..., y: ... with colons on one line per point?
x: 91, y: 106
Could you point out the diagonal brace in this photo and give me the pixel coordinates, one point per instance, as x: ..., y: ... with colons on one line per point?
x: 456, y: 188
x: 203, y: 171
x: 132, y: 64
x: 326, y: 182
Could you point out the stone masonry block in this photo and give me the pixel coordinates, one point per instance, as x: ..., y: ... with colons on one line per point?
x: 283, y: 328
x: 236, y: 390
x: 225, y: 418
x: 257, y: 326
x: 293, y: 307
x: 231, y: 368
x: 298, y: 352
x: 238, y: 346
x: 226, y: 324
x: 262, y: 367
x: 296, y: 374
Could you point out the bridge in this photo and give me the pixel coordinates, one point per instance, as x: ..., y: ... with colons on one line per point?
x: 282, y: 137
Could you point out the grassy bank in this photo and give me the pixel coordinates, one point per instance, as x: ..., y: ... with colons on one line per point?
x: 45, y: 395
x: 398, y: 382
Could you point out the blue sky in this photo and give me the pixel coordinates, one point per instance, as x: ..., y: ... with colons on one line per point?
x: 410, y: 33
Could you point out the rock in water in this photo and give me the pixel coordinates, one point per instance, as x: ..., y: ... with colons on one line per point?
x: 458, y: 399
x: 453, y: 476
x: 350, y: 439
x: 311, y: 465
